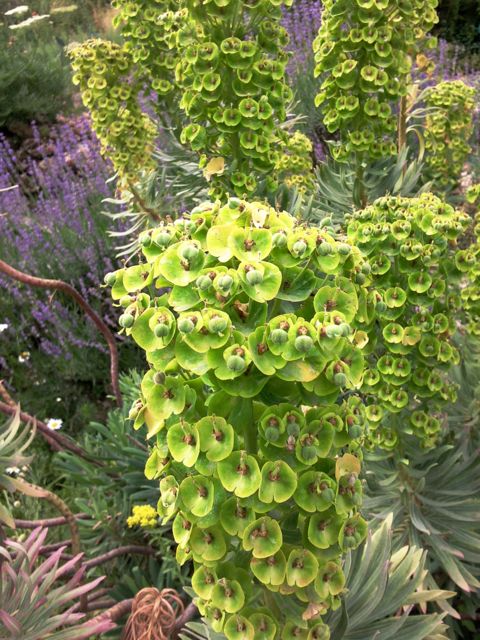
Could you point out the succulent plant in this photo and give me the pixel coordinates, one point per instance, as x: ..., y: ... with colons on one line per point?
x: 36, y: 600
x: 431, y: 508
x: 363, y: 55
x: 150, y: 29
x: 14, y: 439
x: 232, y: 75
x: 448, y: 129
x: 251, y: 400
x: 103, y: 72
x: 396, y: 582
x: 416, y: 275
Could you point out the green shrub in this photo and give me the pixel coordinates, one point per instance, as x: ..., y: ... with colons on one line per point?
x: 35, y: 79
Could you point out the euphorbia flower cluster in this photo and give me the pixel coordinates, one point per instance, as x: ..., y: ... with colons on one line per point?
x: 363, y: 55
x: 411, y: 246
x: 251, y: 402
x: 448, y: 129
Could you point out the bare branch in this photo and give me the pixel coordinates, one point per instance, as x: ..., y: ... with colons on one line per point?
x: 120, y: 551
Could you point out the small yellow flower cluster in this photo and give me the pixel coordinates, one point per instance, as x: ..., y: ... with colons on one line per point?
x: 142, y: 516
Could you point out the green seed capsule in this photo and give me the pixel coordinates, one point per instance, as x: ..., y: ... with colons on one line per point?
x: 325, y: 249
x: 303, y: 343
x: 110, y: 279
x: 225, y: 282
x: 126, y: 320
x: 254, y: 277
x: 279, y: 239
x: 344, y: 249
x: 163, y: 239
x: 189, y: 252
x: 125, y: 301
x: 279, y: 336
x: 203, y: 283
x: 299, y: 247
x: 340, y: 379
x: 217, y: 324
x: 236, y: 363
x: 146, y: 240
x: 185, y: 325
x: 344, y: 328
x: 309, y: 453
x: 161, y: 330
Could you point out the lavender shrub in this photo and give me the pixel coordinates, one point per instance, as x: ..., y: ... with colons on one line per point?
x: 51, y: 226
x: 302, y: 22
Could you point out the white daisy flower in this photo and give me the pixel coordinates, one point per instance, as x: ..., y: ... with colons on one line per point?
x: 54, y: 424
x: 24, y: 357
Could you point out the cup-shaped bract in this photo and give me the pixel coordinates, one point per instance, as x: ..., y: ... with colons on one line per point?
x: 251, y: 401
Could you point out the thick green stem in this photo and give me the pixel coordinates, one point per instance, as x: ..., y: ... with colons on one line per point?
x: 249, y: 426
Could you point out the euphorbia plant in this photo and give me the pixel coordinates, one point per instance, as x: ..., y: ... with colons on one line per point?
x: 363, y: 55
x: 448, y: 129
x: 232, y: 74
x: 251, y: 408
x: 416, y: 273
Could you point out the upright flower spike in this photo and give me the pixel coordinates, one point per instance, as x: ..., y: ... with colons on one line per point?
x: 417, y: 296
x: 448, y: 129
x: 363, y: 55
x: 252, y: 397
x: 232, y: 74
x: 150, y: 29
x: 102, y: 70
